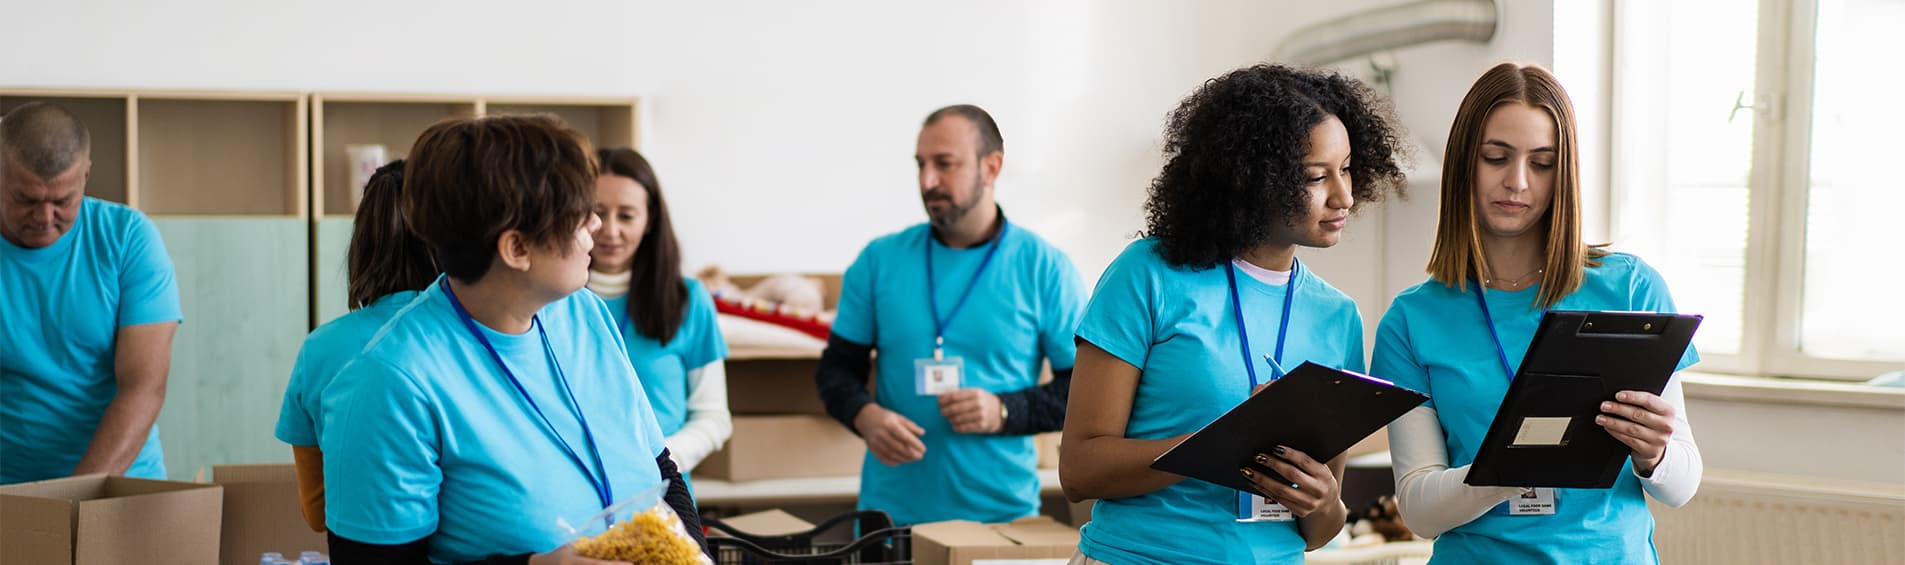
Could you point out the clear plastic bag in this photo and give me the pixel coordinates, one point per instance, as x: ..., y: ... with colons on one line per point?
x: 638, y: 529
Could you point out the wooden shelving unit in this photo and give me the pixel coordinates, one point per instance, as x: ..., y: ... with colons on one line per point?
x: 391, y: 120
x: 608, y: 122
x: 221, y: 154
x: 176, y: 153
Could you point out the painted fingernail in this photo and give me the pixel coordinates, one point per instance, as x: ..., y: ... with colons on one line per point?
x: 1248, y: 474
x: 1263, y: 459
x: 1278, y: 450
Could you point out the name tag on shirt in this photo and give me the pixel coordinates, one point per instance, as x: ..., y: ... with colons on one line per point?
x: 933, y: 377
x: 1532, y: 502
x: 1265, y: 510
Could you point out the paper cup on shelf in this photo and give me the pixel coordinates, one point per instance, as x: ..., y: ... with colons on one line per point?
x: 363, y: 161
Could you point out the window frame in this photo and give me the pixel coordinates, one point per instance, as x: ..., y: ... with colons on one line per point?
x: 1773, y: 294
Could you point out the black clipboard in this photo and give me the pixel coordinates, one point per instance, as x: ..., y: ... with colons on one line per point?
x: 1544, y: 435
x: 1314, y: 409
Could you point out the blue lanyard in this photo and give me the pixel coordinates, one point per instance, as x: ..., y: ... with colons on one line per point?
x: 939, y: 324
x: 603, y: 490
x: 1489, y: 321
x: 1243, y: 339
x: 1283, y: 326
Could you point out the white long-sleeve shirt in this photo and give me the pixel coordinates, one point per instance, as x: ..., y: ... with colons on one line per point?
x: 709, y: 424
x: 1433, y: 498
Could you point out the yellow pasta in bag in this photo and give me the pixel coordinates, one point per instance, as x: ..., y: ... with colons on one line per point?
x: 647, y: 537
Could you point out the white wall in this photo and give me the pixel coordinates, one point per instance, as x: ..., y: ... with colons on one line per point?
x: 782, y: 130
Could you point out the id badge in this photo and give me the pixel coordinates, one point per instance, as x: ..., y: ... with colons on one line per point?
x: 1533, y: 502
x: 933, y: 377
x: 1264, y: 510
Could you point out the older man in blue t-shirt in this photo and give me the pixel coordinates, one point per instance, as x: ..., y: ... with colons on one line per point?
x: 88, y: 307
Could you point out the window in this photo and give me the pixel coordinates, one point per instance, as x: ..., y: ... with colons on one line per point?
x: 1752, y: 165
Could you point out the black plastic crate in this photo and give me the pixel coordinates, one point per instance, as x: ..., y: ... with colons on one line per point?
x: 878, y: 542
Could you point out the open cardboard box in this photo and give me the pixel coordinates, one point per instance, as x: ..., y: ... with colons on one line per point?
x: 960, y: 542
x: 262, y: 514
x: 102, y: 520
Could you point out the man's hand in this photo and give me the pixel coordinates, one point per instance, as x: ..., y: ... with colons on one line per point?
x: 972, y: 411
x: 892, y: 438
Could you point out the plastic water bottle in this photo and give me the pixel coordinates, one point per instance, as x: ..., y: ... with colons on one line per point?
x: 313, y: 558
x: 271, y: 558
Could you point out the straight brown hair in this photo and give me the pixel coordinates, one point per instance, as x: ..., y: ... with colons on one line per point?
x: 1458, y: 255
x: 657, y: 298
x: 470, y: 180
x: 384, y: 257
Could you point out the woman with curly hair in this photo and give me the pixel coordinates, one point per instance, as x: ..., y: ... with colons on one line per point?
x: 1508, y: 247
x: 1190, y: 320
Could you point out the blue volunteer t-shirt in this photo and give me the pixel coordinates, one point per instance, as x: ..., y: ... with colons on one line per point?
x: 61, y: 307
x: 425, y: 436
x: 1023, y: 310
x: 663, y: 368
x: 325, y: 351
x: 1434, y: 340
x: 1176, y: 326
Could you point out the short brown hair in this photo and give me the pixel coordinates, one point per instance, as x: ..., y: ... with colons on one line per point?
x: 385, y: 258
x: 1458, y: 239
x: 471, y: 180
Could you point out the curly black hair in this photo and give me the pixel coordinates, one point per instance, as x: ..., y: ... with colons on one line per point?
x: 1234, y: 158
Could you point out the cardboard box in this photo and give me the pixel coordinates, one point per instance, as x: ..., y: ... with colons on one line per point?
x: 960, y: 542
x: 785, y: 447
x: 770, y: 382
x: 101, y: 520
x: 1376, y: 443
x: 774, y: 522
x: 773, y: 386
x: 262, y: 513
x: 1047, y: 449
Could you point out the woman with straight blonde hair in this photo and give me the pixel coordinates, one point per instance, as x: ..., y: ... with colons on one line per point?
x: 1508, y: 247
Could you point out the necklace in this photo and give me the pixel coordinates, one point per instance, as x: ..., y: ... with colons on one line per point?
x: 1513, y: 282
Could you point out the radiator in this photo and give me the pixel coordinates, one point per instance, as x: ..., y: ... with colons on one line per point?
x: 1742, y: 518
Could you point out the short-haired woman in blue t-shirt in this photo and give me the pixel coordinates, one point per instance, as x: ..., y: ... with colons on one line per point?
x: 499, y: 404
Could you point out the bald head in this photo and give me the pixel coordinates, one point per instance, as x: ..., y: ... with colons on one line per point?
x: 44, y: 139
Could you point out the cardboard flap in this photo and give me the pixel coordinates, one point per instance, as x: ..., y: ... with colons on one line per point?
x: 265, y: 473
x: 120, y: 487
x: 960, y: 533
x: 1038, y: 531
x: 128, y: 529
x: 768, y: 523
x: 85, y: 487
x: 37, y: 529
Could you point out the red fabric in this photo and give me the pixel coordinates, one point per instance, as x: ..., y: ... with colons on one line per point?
x: 804, y: 322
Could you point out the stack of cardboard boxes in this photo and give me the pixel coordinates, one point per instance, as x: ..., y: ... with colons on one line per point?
x: 781, y: 429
